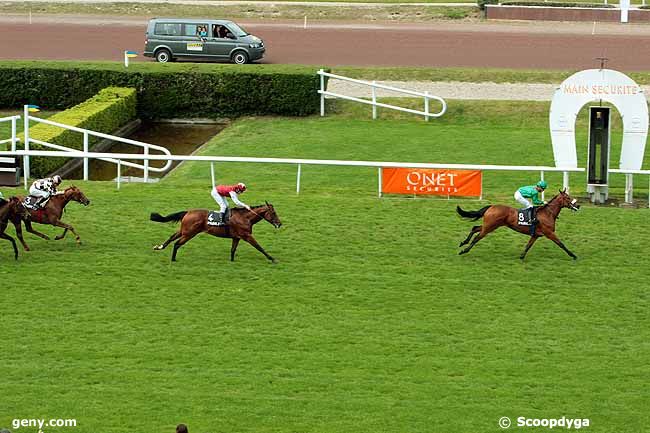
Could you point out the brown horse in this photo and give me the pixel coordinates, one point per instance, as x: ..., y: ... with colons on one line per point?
x: 240, y: 226
x: 497, y: 216
x: 51, y: 214
x: 13, y: 208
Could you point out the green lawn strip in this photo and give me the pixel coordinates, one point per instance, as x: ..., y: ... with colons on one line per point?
x: 270, y: 11
x: 369, y: 323
x: 465, y: 74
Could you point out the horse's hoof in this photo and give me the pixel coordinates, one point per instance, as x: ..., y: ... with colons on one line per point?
x: 273, y: 261
x: 575, y: 257
x: 58, y: 238
x: 157, y: 247
x: 461, y: 253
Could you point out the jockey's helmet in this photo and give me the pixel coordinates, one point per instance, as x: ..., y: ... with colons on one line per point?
x: 241, y: 187
x: 57, y: 179
x: 542, y: 184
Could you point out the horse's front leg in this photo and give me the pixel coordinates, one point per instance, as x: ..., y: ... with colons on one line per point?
x: 30, y: 229
x: 233, y: 248
x: 67, y: 227
x: 552, y: 236
x: 3, y: 235
x: 19, y: 233
x: 251, y: 240
x: 529, y: 245
x: 61, y: 236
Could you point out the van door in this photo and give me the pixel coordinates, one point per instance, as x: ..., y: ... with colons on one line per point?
x: 170, y: 34
x: 219, y: 45
x: 195, y: 36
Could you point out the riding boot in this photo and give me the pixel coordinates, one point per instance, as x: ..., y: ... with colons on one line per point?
x: 533, y: 220
x: 39, y: 202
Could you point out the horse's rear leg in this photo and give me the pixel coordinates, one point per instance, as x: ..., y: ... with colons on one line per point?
x: 30, y: 229
x: 552, y: 236
x: 473, y: 231
x: 484, y: 232
x: 61, y: 236
x: 19, y: 233
x: 528, y: 246
x: 251, y: 240
x: 233, y: 248
x: 171, y: 239
x: 13, y: 243
x: 182, y: 241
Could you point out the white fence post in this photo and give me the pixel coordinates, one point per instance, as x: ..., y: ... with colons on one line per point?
x: 322, y: 95
x: 426, y: 106
x: 212, y: 174
x: 541, y: 177
x: 13, y: 134
x: 629, y: 188
x: 146, y: 165
x: 298, y: 179
x: 374, y: 101
x: 119, y: 173
x: 85, y: 159
x: 26, y: 133
x: 379, y: 182
x: 565, y: 181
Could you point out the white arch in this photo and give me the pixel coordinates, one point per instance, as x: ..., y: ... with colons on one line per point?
x: 596, y: 85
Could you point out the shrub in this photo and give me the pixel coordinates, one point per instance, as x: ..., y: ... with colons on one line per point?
x: 167, y: 90
x: 107, y: 111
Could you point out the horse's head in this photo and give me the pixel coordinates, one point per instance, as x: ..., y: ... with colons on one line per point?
x: 75, y: 194
x: 271, y: 216
x: 565, y: 200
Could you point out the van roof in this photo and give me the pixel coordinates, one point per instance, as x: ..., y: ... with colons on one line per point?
x: 190, y: 20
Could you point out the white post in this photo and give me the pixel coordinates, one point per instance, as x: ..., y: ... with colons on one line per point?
x: 379, y: 181
x: 126, y: 60
x: 26, y: 133
x: 298, y: 180
x: 426, y: 106
x: 305, y: 25
x: 212, y: 174
x: 13, y: 134
x: 565, y: 181
x: 541, y: 177
x: 85, y: 159
x: 322, y: 97
x: 119, y: 173
x: 30, y: 15
x: 629, y: 188
x: 146, y: 165
x: 625, y: 7
x: 374, y: 101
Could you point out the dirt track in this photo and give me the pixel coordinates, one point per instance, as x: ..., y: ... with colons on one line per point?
x: 498, y: 45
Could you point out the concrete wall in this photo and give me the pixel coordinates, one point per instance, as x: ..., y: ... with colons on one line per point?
x: 499, y: 12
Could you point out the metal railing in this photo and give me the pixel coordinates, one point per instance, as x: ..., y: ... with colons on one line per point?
x: 120, y: 157
x: 373, y: 85
x: 86, y: 134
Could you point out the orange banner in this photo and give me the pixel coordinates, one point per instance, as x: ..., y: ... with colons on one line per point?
x: 466, y: 183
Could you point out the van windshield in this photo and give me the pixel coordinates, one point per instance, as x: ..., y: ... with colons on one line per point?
x: 238, y: 31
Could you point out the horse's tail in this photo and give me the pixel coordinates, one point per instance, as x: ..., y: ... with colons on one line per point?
x: 165, y: 219
x: 474, y: 214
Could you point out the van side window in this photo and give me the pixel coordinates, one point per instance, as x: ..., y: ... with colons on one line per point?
x: 168, y: 29
x: 219, y: 31
x: 195, y: 30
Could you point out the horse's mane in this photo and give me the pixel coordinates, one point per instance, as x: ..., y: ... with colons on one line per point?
x: 549, y: 202
x: 252, y: 207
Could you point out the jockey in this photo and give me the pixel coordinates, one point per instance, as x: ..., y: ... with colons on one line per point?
x: 44, y: 188
x: 220, y: 192
x: 531, y: 192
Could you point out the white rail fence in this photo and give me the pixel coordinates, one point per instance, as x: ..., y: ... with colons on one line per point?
x: 120, y: 159
x: 147, y: 147
x: 373, y: 85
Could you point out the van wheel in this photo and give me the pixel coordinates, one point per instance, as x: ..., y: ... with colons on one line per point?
x: 240, y: 58
x: 163, y: 55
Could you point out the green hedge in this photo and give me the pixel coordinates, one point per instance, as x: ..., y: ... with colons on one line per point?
x: 106, y: 112
x: 166, y: 90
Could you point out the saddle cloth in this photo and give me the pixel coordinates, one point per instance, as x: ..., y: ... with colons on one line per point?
x: 523, y: 217
x: 213, y: 218
x: 30, y: 202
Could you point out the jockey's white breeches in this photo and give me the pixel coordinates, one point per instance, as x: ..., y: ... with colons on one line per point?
x: 221, y: 201
x: 521, y: 199
x: 37, y: 192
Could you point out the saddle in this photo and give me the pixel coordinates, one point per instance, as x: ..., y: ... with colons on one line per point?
x: 32, y: 203
x: 217, y: 219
